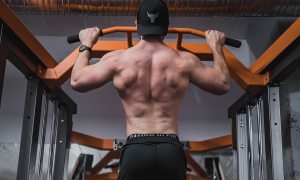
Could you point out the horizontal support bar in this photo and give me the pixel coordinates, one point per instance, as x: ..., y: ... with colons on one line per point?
x: 58, y: 75
x: 90, y: 141
x: 211, y: 144
x: 194, y: 146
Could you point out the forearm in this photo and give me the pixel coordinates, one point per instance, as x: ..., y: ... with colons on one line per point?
x: 220, y: 63
x: 81, y: 62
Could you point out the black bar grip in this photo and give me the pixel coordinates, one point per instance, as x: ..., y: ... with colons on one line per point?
x: 233, y: 42
x: 75, y: 38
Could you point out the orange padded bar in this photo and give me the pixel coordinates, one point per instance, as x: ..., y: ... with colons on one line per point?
x: 242, y: 75
x: 91, y: 141
x: 286, y: 39
x: 171, y: 30
x: 211, y: 144
x: 107, y: 144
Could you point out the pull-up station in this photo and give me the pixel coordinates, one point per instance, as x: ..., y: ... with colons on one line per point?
x: 258, y: 110
x: 57, y: 75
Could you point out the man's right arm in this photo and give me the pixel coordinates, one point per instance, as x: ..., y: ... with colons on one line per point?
x: 214, y: 79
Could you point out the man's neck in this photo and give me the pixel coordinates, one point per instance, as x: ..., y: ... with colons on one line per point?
x: 150, y: 39
x: 151, y: 42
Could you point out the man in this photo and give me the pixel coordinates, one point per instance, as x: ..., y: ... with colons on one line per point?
x: 151, y: 80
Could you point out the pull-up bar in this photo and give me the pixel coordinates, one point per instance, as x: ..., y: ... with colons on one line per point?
x: 246, y: 79
x: 179, y: 31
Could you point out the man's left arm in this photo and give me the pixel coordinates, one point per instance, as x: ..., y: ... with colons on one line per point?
x: 86, y: 77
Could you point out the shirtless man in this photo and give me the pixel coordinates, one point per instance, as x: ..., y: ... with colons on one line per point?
x: 151, y: 80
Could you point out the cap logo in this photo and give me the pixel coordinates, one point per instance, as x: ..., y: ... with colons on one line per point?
x: 153, y: 16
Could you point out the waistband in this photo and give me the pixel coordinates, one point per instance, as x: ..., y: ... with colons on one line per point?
x: 134, y: 136
x: 144, y: 138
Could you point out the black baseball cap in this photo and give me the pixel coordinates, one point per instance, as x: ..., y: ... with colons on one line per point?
x: 153, y: 18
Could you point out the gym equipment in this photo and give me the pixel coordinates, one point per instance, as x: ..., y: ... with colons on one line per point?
x: 228, y: 41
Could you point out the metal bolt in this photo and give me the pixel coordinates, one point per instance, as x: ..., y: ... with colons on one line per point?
x: 60, y: 141
x: 241, y: 125
x: 62, y: 121
x: 242, y: 146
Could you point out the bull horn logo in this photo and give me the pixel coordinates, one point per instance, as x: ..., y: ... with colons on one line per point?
x: 153, y: 16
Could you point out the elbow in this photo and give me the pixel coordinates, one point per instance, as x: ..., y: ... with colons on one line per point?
x: 75, y: 84
x: 224, y: 85
x: 224, y: 88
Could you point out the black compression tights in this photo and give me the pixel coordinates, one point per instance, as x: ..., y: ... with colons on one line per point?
x: 152, y: 157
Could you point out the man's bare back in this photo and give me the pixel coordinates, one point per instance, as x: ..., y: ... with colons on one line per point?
x: 151, y: 80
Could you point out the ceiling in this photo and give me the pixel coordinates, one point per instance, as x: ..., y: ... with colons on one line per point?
x: 176, y: 7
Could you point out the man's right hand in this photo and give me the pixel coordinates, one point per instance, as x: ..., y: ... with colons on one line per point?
x: 215, y: 39
x: 89, y: 36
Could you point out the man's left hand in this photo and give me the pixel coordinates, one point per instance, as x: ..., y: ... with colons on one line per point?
x: 89, y: 36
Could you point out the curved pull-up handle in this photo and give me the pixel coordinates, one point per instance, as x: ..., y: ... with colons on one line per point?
x: 75, y: 38
x: 233, y: 42
x: 228, y: 41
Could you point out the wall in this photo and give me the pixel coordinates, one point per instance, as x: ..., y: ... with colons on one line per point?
x: 290, y: 113
x: 263, y: 31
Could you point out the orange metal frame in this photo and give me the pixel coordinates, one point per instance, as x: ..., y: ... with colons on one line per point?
x: 55, y: 74
x: 248, y: 79
x: 59, y: 74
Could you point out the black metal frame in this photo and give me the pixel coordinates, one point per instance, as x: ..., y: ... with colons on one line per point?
x: 2, y: 72
x: 30, y: 130
x: 212, y: 168
x: 84, y: 164
x: 287, y: 63
x: 63, y: 142
x: 32, y: 112
x: 3, y: 56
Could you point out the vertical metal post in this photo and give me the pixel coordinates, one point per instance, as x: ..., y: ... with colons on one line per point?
x: 242, y: 147
x: 63, y: 145
x: 3, y: 56
x: 43, y: 135
x: 254, y: 143
x: 234, y: 146
x: 250, y: 141
x: 53, y: 135
x: 30, y: 130
x: 262, y: 175
x: 273, y: 134
x: 68, y: 142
